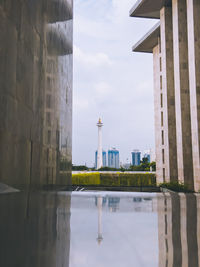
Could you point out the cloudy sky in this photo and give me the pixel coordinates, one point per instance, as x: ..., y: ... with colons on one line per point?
x: 110, y: 81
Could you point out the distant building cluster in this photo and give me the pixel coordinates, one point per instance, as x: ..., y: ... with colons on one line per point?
x: 111, y: 158
x: 137, y: 156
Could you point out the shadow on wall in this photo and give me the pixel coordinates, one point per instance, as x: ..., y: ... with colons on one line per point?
x: 36, y: 92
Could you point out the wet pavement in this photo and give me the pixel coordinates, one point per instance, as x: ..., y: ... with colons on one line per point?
x: 99, y: 229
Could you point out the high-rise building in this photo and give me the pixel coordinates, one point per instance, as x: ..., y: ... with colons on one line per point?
x: 113, y: 158
x: 147, y: 156
x: 104, y: 160
x: 136, y: 157
x: 174, y: 42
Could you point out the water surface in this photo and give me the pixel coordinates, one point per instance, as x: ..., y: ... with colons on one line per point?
x: 101, y: 229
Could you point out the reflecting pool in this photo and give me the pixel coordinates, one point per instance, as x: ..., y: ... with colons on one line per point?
x: 101, y: 229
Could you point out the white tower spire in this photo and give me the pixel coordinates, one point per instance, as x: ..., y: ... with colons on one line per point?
x: 99, y: 152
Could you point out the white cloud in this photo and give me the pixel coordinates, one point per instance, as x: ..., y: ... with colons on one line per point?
x: 91, y: 60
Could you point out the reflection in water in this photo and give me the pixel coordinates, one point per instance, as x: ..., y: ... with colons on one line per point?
x: 34, y: 234
x: 178, y: 226
x: 150, y: 230
x: 129, y: 236
x: 99, y: 205
x: 145, y: 230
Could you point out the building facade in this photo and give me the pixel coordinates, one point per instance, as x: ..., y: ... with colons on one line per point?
x: 104, y: 159
x: 136, y: 157
x: 147, y: 155
x: 175, y: 44
x: 113, y: 158
x: 36, y: 92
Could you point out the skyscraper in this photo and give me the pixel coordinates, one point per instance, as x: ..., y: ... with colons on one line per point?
x: 148, y: 156
x: 113, y: 158
x: 136, y: 157
x: 104, y: 160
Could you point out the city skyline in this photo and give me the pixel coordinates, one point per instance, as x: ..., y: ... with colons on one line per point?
x: 108, y: 80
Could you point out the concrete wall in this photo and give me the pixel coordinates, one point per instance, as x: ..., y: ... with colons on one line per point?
x: 182, y: 94
x: 168, y: 95
x: 193, y: 9
x: 35, y: 91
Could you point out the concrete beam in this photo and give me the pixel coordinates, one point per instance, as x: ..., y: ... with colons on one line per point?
x: 149, y: 41
x: 148, y: 8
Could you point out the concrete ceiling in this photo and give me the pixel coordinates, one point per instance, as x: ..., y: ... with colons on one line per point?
x: 149, y: 41
x: 148, y: 8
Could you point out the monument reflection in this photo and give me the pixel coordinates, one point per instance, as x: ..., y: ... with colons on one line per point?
x: 109, y: 229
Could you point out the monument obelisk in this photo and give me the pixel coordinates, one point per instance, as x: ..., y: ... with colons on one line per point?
x: 99, y: 152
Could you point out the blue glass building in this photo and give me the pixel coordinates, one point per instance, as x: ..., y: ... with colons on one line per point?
x: 113, y: 158
x: 136, y: 157
x: 103, y: 159
x: 148, y: 156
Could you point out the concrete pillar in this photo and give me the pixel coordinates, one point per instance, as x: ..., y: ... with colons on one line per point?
x: 157, y: 113
x: 193, y: 11
x: 182, y: 97
x: 168, y: 130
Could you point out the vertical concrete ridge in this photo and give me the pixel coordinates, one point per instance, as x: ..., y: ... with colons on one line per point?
x: 182, y: 97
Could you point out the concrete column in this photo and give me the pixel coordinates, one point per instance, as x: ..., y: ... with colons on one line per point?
x: 157, y: 114
x: 193, y: 11
x: 182, y: 98
x: 168, y: 95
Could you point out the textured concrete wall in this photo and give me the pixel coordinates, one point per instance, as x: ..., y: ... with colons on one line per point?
x: 35, y: 91
x: 193, y: 11
x: 169, y: 118
x: 182, y: 95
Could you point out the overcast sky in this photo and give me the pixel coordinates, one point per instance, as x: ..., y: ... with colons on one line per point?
x: 110, y: 81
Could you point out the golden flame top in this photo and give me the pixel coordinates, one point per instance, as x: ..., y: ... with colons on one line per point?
x: 99, y: 120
